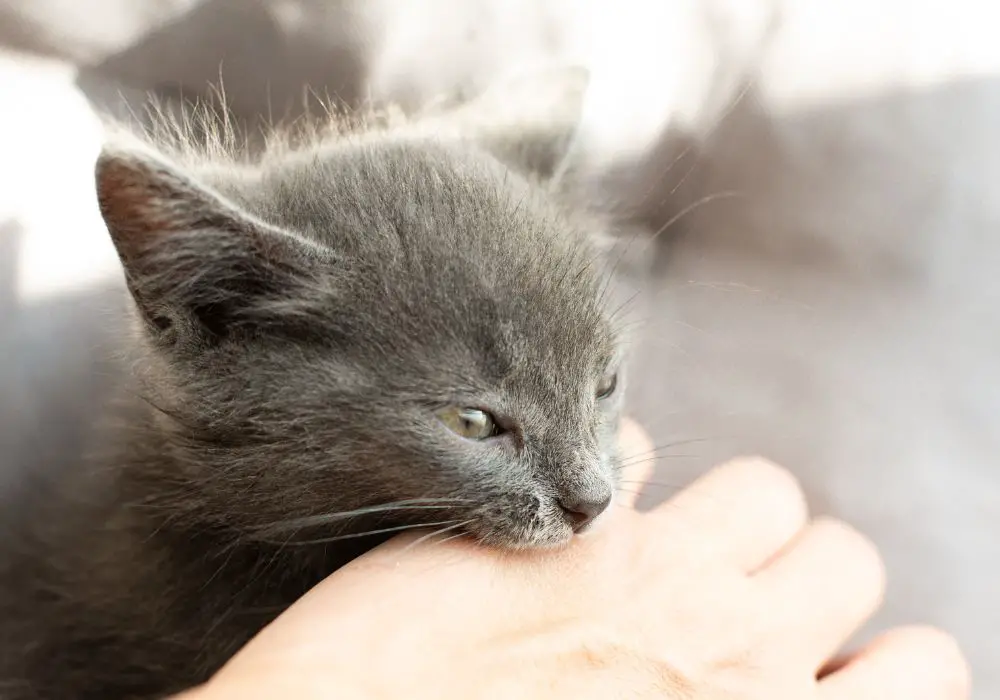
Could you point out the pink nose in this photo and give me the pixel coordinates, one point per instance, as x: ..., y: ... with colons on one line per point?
x: 580, y: 512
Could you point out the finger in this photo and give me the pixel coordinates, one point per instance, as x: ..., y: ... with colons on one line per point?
x: 739, y: 514
x: 822, y: 588
x: 635, y: 449
x: 915, y: 663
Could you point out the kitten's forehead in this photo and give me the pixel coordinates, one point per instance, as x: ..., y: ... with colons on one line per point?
x: 348, y: 193
x: 445, y: 237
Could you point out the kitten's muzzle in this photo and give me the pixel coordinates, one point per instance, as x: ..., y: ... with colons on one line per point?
x: 581, y: 510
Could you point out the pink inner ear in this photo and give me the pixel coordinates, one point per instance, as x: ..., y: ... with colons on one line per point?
x: 141, y: 201
x: 145, y: 202
x: 131, y: 202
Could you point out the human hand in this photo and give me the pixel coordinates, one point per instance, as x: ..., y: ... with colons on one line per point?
x: 727, y: 591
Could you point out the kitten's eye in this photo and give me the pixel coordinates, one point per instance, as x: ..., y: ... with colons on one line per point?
x: 608, y: 385
x: 470, y: 423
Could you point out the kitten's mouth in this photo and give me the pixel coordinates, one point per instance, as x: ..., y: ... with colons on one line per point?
x: 552, y: 532
x: 542, y: 523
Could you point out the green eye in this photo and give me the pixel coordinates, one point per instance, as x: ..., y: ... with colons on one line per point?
x: 470, y: 423
x: 607, y: 386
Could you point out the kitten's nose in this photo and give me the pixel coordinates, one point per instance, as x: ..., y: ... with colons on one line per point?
x: 581, y: 510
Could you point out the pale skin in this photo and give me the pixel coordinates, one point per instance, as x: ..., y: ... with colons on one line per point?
x: 728, y: 591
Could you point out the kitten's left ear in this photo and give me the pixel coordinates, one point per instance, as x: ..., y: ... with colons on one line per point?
x: 196, y: 264
x: 528, y: 122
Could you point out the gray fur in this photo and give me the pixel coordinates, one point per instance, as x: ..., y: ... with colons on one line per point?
x: 299, y: 318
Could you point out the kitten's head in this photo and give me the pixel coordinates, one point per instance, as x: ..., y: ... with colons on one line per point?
x: 403, y: 324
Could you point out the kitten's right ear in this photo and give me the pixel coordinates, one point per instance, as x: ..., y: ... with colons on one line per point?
x: 528, y: 121
x: 194, y: 262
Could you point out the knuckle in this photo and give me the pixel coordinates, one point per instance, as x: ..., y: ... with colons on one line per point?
x: 848, y: 537
x: 861, y: 550
x: 941, y: 654
x: 767, y: 478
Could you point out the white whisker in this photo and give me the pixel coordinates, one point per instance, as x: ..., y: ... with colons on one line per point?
x: 326, y: 518
x: 380, y: 531
x: 435, y: 533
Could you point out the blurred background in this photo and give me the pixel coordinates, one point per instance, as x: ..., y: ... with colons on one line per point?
x: 824, y: 178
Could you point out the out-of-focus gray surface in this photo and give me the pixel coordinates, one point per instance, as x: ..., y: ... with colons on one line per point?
x: 828, y: 296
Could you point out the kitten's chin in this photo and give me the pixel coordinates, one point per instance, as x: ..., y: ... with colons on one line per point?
x: 555, y: 537
x: 527, y: 539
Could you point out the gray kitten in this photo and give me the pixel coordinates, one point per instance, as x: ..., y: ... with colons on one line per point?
x: 394, y: 327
